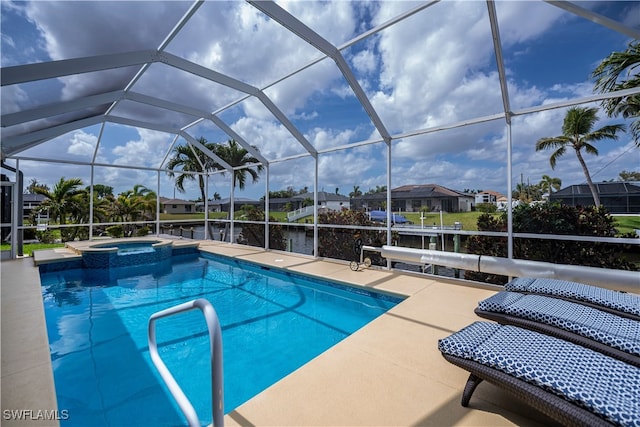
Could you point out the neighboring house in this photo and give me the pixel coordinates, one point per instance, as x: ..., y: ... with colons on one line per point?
x: 617, y: 197
x: 333, y: 201
x: 222, y: 205
x: 330, y: 201
x: 414, y: 198
x: 503, y: 203
x: 489, y: 196
x: 176, y: 206
x: 30, y: 202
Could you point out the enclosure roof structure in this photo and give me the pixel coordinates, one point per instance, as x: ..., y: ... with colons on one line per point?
x: 182, y: 72
x: 603, y: 188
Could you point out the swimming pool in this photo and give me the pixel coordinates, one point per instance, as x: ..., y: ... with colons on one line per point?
x: 272, y: 321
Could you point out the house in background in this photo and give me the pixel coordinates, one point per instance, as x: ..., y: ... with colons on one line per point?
x: 176, y: 206
x: 30, y: 202
x: 489, y: 196
x: 415, y: 198
x: 503, y: 203
x: 223, y: 205
x: 617, y: 197
x: 328, y: 201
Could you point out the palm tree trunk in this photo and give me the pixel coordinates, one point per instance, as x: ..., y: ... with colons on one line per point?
x: 202, y: 189
x: 594, y: 192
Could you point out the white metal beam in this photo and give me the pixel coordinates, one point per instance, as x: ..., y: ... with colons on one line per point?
x: 172, y: 106
x: 194, y: 142
x: 62, y: 107
x: 67, y: 67
x: 238, y: 85
x: 497, y: 47
x: 141, y: 124
x: 596, y: 17
x: 166, y: 105
x: 18, y: 143
x: 388, y: 23
x: 206, y: 73
x: 578, y: 101
x: 233, y: 134
x: 287, y: 123
x: 297, y: 27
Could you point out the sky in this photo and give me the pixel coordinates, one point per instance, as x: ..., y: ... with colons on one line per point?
x: 435, y: 68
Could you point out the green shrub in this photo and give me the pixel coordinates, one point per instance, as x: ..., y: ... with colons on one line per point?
x: 486, y: 207
x: 550, y: 218
x: 341, y: 243
x: 142, y: 231
x: 46, y: 236
x: 29, y: 234
x: 253, y: 234
x: 115, y: 231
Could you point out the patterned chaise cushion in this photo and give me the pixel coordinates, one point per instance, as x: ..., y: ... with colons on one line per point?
x: 620, y: 301
x: 614, y: 331
x: 591, y: 380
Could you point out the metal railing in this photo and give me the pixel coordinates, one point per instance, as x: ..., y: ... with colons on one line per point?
x: 300, y: 213
x: 215, y: 351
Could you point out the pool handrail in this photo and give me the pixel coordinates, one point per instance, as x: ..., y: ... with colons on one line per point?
x: 215, y: 351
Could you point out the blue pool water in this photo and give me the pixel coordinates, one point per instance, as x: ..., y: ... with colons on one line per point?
x: 272, y: 323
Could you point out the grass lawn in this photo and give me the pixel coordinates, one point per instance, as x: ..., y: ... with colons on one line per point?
x: 469, y: 220
x: 30, y: 247
x: 627, y: 224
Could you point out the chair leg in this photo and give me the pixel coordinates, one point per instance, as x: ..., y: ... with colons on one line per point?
x: 469, y: 388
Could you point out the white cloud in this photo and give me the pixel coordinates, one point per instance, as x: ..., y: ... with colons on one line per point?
x: 365, y: 62
x: 522, y: 21
x: 14, y: 98
x: 632, y: 14
x: 326, y: 138
x: 272, y: 139
x: 149, y: 150
x: 82, y: 143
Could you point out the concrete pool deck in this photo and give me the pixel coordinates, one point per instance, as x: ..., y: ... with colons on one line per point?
x: 389, y: 373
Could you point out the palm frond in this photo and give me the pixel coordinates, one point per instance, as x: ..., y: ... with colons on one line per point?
x: 556, y: 155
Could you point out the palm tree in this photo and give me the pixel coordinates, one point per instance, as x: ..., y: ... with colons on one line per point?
x: 356, y: 191
x: 33, y: 184
x: 524, y: 192
x: 62, y: 201
x: 609, y: 77
x: 236, y: 156
x: 578, y: 133
x: 548, y: 184
x: 192, y: 160
x: 147, y: 200
x: 189, y: 160
x: 128, y: 206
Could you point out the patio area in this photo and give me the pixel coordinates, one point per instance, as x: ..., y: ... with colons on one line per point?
x: 389, y: 373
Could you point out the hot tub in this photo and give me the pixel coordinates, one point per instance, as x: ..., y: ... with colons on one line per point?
x: 125, y: 253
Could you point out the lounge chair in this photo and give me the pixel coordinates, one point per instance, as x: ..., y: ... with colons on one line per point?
x: 620, y: 303
x: 567, y: 382
x: 615, y: 336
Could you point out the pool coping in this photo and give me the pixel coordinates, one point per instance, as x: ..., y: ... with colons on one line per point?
x: 387, y: 373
